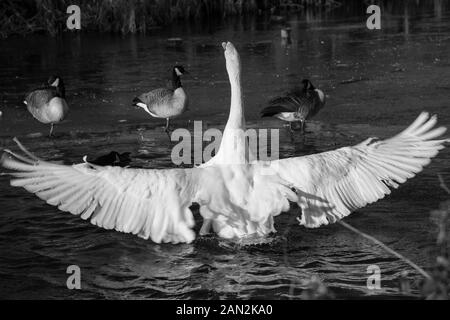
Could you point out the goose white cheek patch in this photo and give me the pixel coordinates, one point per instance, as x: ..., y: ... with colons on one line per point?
x: 55, y: 83
x: 321, y: 95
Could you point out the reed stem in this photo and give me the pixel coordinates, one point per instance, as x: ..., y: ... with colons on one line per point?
x: 385, y: 247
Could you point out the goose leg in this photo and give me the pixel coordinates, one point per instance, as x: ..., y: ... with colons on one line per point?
x: 302, y: 126
x: 291, y: 132
x: 206, y: 227
x: 166, y: 129
x: 290, y: 127
x: 51, y: 130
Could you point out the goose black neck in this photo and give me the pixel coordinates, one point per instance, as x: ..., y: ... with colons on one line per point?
x: 176, y: 81
x: 61, y: 91
x: 307, y: 86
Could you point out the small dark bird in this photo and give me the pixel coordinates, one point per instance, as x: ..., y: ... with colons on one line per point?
x: 47, y: 104
x: 163, y: 102
x: 113, y: 159
x: 297, y: 105
x: 286, y: 36
x: 175, y: 42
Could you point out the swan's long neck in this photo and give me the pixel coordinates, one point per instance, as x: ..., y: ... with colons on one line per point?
x: 236, y: 119
x: 234, y: 147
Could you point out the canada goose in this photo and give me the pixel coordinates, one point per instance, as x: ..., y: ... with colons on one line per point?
x: 163, y: 102
x: 47, y: 104
x: 299, y: 104
x: 238, y: 196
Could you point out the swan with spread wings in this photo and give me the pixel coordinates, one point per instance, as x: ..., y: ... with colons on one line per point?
x: 238, y: 196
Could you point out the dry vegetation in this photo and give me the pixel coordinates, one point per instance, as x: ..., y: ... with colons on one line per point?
x: 129, y: 16
x: 438, y: 287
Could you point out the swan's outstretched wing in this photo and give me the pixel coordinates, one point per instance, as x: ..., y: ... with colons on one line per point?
x: 149, y: 203
x: 333, y: 184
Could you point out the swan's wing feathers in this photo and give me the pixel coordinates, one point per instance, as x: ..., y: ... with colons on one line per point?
x: 333, y: 184
x: 149, y: 203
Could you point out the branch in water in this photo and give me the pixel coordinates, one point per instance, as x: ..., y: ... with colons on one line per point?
x: 442, y: 184
x: 385, y: 247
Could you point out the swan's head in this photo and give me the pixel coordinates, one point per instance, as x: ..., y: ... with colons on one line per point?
x: 230, y: 51
x: 231, y: 57
x: 179, y: 70
x: 307, y: 85
x: 57, y: 82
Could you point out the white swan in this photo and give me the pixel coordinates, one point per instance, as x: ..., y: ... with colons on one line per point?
x: 238, y: 196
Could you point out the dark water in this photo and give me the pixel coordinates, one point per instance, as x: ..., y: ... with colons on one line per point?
x: 377, y: 82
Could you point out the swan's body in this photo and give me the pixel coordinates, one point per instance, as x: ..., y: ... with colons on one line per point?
x: 165, y: 103
x: 48, y: 104
x: 299, y: 104
x: 238, y: 195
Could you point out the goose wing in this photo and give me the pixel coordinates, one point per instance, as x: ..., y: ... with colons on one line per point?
x: 307, y: 102
x: 149, y: 203
x: 39, y: 97
x: 273, y: 110
x: 285, y: 103
x: 155, y: 97
x: 296, y: 100
x: 333, y: 184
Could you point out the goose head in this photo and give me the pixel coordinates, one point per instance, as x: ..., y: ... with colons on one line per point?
x: 179, y: 70
x: 307, y: 85
x: 57, y: 82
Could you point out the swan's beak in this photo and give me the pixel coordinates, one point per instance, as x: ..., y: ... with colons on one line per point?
x: 224, y: 45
